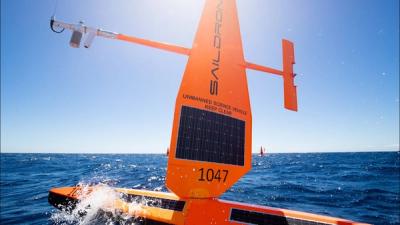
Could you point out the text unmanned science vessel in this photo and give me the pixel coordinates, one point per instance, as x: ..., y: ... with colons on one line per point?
x: 210, y: 147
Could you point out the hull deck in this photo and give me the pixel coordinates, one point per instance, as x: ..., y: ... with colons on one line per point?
x: 166, y: 208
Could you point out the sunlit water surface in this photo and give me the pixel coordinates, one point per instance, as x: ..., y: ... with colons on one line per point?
x: 358, y: 186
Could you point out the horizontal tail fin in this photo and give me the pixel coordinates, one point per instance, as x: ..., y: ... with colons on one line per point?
x: 290, y: 91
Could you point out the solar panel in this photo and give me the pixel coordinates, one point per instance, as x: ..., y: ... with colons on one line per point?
x: 210, y: 137
x: 155, y: 202
x: 252, y: 217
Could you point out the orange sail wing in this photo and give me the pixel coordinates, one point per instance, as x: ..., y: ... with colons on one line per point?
x: 211, y: 135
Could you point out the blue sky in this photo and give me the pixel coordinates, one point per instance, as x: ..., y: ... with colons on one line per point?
x: 118, y: 97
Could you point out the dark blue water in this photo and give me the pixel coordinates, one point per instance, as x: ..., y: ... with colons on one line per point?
x: 358, y: 186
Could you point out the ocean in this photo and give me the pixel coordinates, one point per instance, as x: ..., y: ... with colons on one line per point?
x: 363, y: 187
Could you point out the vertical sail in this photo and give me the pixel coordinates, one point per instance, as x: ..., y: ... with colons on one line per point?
x: 211, y: 136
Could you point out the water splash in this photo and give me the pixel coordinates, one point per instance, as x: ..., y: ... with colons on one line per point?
x: 98, y: 207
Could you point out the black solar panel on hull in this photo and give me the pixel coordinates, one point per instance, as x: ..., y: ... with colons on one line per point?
x: 259, y: 218
x: 155, y: 202
x: 210, y: 137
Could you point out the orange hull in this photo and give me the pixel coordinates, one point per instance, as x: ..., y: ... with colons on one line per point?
x: 167, y: 208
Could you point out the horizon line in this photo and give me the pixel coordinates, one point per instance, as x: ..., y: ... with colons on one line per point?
x: 163, y: 153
